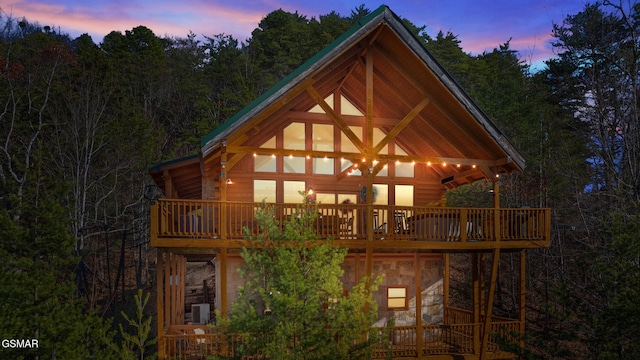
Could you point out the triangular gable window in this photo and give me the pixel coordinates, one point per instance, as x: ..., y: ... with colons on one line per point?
x: 347, y: 106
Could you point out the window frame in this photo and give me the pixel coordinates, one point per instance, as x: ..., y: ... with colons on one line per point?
x: 406, y: 297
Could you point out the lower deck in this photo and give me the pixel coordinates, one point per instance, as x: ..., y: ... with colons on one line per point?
x: 450, y: 340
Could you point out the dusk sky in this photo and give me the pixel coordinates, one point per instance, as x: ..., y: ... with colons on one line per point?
x: 481, y: 25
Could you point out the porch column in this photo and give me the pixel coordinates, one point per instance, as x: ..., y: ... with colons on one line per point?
x: 476, y: 303
x: 488, y: 313
x: 445, y: 282
x: 523, y: 283
x: 482, y: 283
x: 160, y: 303
x: 418, y: 285
x: 222, y: 226
x: 222, y: 280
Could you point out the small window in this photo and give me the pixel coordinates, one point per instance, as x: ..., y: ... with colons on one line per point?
x: 397, y: 298
x: 264, y: 163
x: 322, y: 166
x: 294, y: 164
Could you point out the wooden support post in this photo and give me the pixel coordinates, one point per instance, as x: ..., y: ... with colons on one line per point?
x: 153, y: 222
x: 369, y: 102
x: 489, y: 310
x: 160, y: 303
x: 482, y: 283
x: 476, y: 303
x: 496, y: 211
x: 223, y: 195
x: 463, y: 225
x: 418, y: 285
x: 368, y: 270
x: 167, y: 288
x: 446, y: 280
x: 370, y: 228
x: 223, y: 280
x: 523, y: 284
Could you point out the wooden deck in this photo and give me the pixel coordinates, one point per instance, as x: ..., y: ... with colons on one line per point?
x: 459, y: 340
x: 214, y: 224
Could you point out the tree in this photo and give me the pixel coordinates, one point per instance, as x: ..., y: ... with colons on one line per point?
x: 292, y: 304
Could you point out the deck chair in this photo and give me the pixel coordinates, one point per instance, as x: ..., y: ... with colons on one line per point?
x: 197, y: 347
x: 346, y: 228
x: 400, y: 222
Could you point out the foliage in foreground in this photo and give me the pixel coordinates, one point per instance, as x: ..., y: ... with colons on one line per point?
x: 293, y: 304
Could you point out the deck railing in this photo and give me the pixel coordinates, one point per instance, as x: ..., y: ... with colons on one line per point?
x: 398, y: 342
x: 201, y: 219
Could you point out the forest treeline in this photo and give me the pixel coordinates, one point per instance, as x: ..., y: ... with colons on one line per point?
x: 80, y: 121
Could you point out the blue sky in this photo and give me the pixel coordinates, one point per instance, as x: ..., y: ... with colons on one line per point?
x: 481, y: 25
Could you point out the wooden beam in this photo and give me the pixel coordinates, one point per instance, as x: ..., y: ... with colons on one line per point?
x: 357, y: 157
x: 204, y: 245
x: 401, y: 125
x: 235, y: 159
x: 476, y: 303
x: 446, y: 279
x: 168, y: 184
x: 336, y: 118
x: 396, y: 65
x: 489, y: 308
x: 160, y: 302
x: 418, y: 288
x: 167, y: 292
x: 522, y: 308
x: 223, y: 280
x: 369, y: 101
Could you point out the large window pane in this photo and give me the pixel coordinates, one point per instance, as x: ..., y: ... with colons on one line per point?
x: 382, y: 194
x: 292, y: 191
x: 404, y: 195
x: 264, y: 190
x: 346, y: 145
x: 294, y: 137
x: 322, y: 137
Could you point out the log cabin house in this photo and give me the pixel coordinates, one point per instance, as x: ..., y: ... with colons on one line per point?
x: 375, y: 131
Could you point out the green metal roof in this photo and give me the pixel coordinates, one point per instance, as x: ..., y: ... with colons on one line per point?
x: 159, y: 166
